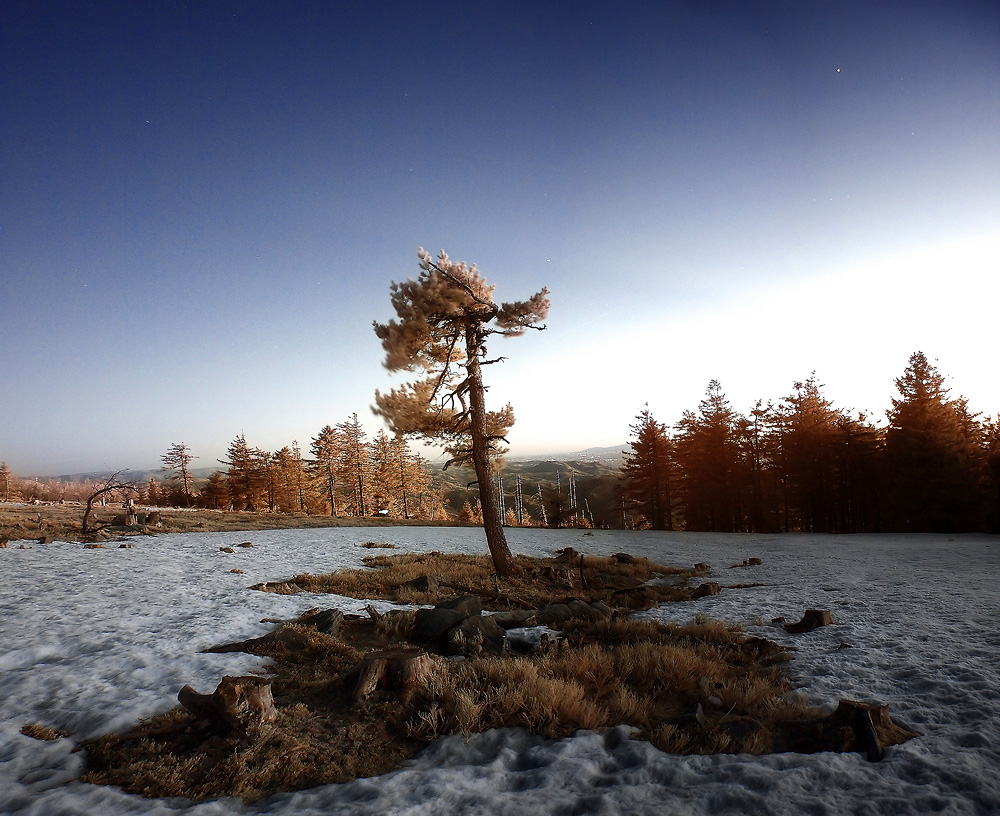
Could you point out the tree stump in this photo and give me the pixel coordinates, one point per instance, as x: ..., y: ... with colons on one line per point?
x: 240, y: 705
x: 811, y: 619
x: 397, y: 670
x: 706, y: 589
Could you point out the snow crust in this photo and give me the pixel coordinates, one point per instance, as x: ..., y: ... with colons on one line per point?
x: 93, y: 640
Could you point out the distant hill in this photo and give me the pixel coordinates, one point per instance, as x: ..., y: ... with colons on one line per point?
x: 132, y: 475
x: 612, y: 453
x: 595, y: 473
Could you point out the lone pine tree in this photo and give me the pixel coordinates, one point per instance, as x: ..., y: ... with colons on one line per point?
x: 445, y: 318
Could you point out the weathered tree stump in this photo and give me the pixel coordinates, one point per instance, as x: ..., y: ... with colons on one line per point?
x: 854, y: 726
x: 706, y: 589
x: 400, y: 671
x: 811, y: 619
x: 240, y: 705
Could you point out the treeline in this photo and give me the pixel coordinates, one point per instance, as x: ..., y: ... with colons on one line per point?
x: 16, y: 488
x: 804, y: 465
x: 344, y: 474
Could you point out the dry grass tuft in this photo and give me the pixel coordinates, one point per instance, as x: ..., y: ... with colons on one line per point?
x: 604, y: 673
x: 42, y: 732
x: 431, y: 578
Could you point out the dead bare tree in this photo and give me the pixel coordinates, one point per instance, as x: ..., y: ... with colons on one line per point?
x: 114, y: 485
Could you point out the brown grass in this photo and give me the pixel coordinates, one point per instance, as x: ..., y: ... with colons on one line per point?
x: 603, y: 673
x: 600, y: 673
x: 536, y: 581
x: 27, y: 522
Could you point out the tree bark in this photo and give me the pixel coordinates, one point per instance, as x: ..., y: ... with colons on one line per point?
x: 397, y: 670
x: 496, y: 539
x: 239, y: 704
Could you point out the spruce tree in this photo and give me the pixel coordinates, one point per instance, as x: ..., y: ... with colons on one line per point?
x: 647, y: 471
x: 928, y: 454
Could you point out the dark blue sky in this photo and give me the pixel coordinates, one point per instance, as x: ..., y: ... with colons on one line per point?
x: 202, y: 206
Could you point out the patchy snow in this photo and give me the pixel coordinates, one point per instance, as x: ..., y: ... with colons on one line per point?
x: 92, y: 640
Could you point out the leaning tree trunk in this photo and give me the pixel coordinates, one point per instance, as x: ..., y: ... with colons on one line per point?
x: 496, y: 539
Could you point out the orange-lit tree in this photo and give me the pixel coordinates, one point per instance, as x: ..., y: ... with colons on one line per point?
x: 444, y: 319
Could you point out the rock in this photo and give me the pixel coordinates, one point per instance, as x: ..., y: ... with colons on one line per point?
x: 580, y: 609
x: 701, y: 567
x: 554, y: 614
x: 327, y: 621
x: 278, y: 587
x: 812, y: 619
x: 4, y: 543
x: 623, y: 558
x: 125, y: 547
x: 602, y: 608
x: 475, y: 635
x: 708, y: 588
x: 93, y: 546
x: 515, y: 618
x: 423, y: 583
x: 468, y: 604
x: 283, y: 640
x: 433, y: 624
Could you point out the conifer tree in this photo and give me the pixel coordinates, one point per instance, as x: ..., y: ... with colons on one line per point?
x: 177, y: 461
x: 928, y: 454
x: 709, y: 455
x: 356, y: 465
x: 647, y: 471
x: 215, y: 494
x: 809, y: 442
x: 327, y: 449
x: 445, y: 318
x: 246, y: 476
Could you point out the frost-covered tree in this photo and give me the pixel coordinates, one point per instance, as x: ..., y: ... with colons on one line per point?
x: 444, y: 319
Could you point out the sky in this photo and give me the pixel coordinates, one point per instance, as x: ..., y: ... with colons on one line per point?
x: 203, y: 206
